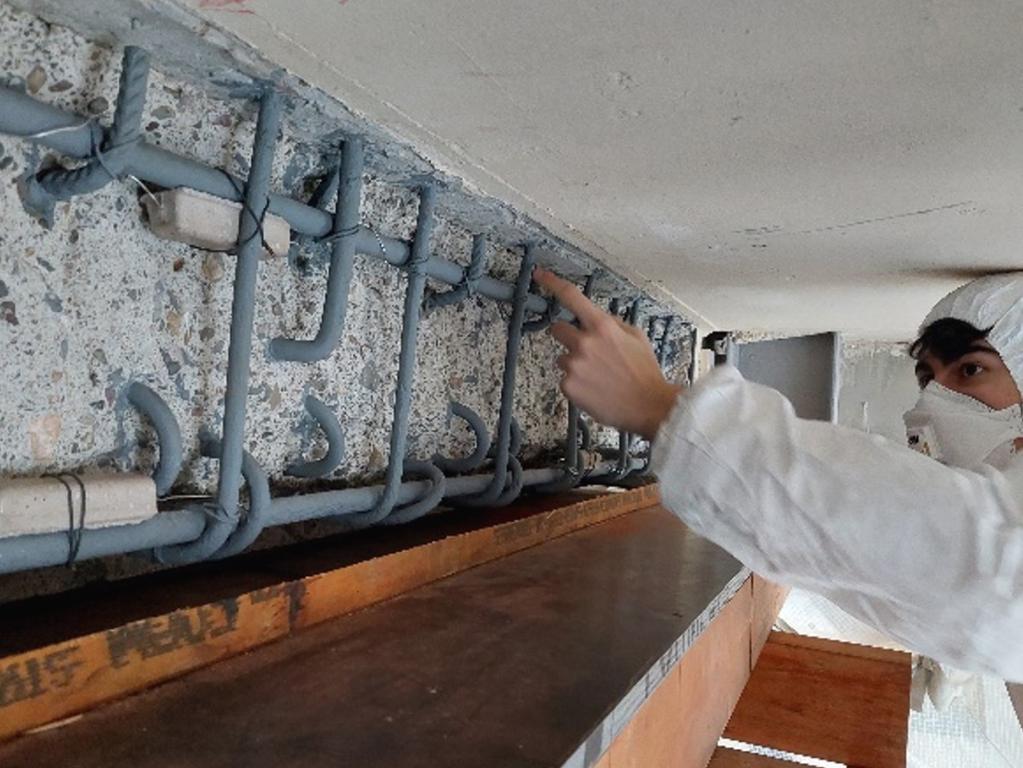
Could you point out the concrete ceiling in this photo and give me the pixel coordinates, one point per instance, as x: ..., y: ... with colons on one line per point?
x: 785, y: 166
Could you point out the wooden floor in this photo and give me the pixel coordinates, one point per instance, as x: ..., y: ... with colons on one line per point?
x: 841, y: 702
x: 511, y: 663
x: 731, y: 758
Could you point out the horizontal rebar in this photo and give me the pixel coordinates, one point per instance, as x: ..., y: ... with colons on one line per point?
x: 182, y: 526
x: 22, y: 115
x: 179, y: 526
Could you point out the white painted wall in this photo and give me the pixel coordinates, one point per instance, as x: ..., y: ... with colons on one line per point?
x: 878, y: 386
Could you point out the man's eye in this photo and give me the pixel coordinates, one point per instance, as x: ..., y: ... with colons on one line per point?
x: 969, y: 370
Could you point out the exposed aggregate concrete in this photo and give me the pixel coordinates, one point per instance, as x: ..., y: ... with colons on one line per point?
x: 98, y: 302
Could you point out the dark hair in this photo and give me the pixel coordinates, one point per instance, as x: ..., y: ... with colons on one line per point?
x: 947, y: 339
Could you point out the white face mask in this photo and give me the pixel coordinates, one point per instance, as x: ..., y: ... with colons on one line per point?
x: 961, y: 431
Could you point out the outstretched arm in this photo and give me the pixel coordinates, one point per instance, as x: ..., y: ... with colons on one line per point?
x: 930, y: 555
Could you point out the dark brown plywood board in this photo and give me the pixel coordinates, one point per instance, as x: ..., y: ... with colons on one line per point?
x: 511, y: 663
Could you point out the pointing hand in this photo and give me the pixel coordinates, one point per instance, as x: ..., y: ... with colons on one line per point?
x: 609, y: 367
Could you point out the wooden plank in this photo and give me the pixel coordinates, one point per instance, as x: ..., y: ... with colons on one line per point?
x: 651, y: 737
x: 838, y: 648
x: 837, y: 701
x: 768, y: 599
x: 733, y: 758
x: 680, y: 723
x: 46, y: 684
x: 713, y: 679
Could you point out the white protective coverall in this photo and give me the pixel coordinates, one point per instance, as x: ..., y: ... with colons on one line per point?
x: 930, y: 555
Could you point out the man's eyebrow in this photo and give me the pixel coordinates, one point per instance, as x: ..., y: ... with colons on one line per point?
x: 976, y: 347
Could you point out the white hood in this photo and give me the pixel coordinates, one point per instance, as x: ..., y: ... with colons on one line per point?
x: 994, y: 302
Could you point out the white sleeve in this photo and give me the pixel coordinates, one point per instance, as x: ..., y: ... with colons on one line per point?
x: 929, y: 555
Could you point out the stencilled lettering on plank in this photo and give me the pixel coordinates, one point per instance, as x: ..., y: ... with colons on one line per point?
x: 32, y: 677
x: 154, y: 637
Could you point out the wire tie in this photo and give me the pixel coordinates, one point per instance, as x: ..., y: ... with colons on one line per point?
x: 74, y: 534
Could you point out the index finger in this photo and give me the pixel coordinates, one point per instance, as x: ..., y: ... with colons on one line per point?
x: 569, y: 296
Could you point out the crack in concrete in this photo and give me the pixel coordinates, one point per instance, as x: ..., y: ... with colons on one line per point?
x: 776, y: 229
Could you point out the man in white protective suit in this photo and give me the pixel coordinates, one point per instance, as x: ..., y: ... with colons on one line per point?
x: 925, y: 545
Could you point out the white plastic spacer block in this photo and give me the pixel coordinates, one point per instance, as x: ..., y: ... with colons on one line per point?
x: 40, y: 504
x: 206, y: 221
